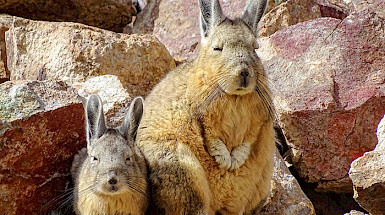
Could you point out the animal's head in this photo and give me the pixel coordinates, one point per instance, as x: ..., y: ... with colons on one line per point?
x: 228, y: 47
x: 113, y: 165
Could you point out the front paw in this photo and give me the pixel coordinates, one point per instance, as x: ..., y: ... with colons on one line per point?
x: 239, y: 155
x: 218, y: 150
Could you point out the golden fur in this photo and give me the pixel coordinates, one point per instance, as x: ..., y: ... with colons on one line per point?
x: 199, y: 102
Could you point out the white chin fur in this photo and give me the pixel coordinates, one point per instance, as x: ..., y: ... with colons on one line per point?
x: 238, y: 92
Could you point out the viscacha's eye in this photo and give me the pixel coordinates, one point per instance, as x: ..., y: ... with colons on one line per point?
x: 94, y: 158
x: 218, y: 49
x: 128, y: 159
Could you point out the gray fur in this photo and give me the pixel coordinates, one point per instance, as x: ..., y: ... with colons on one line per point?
x: 111, y: 164
x: 131, y: 120
x: 253, y: 13
x: 95, y: 122
x: 210, y: 16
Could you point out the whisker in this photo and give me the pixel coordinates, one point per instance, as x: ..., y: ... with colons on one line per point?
x: 264, y: 93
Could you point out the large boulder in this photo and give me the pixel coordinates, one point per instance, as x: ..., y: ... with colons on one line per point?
x: 286, y: 197
x: 38, y: 50
x: 41, y: 127
x: 368, y: 176
x: 327, y: 81
x: 112, y: 15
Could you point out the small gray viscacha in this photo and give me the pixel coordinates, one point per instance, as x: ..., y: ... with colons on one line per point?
x: 110, y: 175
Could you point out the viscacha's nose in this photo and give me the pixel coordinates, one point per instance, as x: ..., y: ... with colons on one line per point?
x: 112, y: 179
x: 244, y: 78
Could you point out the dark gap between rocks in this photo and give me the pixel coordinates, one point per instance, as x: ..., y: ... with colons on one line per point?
x: 327, y: 203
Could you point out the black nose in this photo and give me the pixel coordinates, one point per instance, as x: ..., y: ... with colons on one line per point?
x: 244, y: 73
x: 243, y: 78
x: 112, y: 181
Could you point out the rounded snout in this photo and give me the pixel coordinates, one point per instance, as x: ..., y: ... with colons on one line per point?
x: 112, y: 177
x: 112, y: 182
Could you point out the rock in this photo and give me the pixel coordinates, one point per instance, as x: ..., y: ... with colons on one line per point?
x: 288, y: 13
x: 115, y: 98
x: 328, y: 85
x: 5, y: 24
x: 38, y: 50
x: 144, y: 22
x: 338, y: 9
x: 41, y: 127
x: 368, y: 176
x: 381, y: 136
x: 112, y: 15
x: 374, y: 5
x: 354, y: 212
x: 4, y: 73
x: 286, y: 197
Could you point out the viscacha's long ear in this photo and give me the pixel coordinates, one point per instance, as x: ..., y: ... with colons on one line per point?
x: 253, y: 13
x: 131, y: 121
x: 95, y: 122
x: 210, y: 16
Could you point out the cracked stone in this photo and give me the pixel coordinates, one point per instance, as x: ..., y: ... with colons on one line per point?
x: 326, y: 76
x: 367, y: 173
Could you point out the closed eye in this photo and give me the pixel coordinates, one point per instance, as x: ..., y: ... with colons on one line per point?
x: 218, y: 49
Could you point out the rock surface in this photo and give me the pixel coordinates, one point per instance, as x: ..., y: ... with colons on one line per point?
x: 328, y: 85
x: 144, y: 22
x: 338, y: 9
x: 288, y: 13
x: 5, y: 24
x: 112, y: 15
x: 115, y: 98
x: 72, y: 52
x: 286, y: 198
x: 41, y: 127
x: 368, y: 176
x: 374, y: 5
x: 354, y: 212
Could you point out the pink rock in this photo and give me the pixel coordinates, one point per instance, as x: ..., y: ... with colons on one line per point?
x: 374, y: 5
x: 328, y: 82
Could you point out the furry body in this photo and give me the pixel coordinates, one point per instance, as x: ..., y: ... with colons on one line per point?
x: 110, y: 175
x: 207, y: 127
x: 164, y: 137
